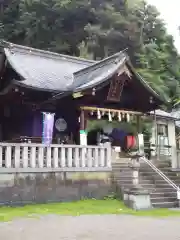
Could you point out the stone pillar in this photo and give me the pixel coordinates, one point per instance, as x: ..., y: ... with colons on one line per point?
x: 83, y: 133
x: 178, y: 197
x: 137, y: 197
x: 172, y: 143
x: 141, y: 143
x: 140, y: 136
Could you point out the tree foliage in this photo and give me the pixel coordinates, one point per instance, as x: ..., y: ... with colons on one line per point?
x: 96, y: 29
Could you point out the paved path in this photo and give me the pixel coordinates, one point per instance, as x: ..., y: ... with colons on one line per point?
x: 108, y: 227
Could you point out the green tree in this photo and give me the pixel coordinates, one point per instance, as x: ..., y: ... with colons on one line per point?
x: 96, y: 29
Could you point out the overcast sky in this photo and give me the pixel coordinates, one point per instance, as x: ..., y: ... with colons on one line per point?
x: 170, y: 12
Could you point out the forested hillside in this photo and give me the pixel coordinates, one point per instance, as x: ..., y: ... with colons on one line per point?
x: 95, y: 29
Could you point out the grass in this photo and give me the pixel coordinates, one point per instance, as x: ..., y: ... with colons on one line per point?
x: 80, y: 208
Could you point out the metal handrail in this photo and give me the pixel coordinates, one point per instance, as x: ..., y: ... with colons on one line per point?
x: 160, y: 173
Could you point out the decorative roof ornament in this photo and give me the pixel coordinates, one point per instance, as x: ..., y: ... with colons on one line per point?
x: 124, y: 69
x: 93, y: 91
x: 151, y: 100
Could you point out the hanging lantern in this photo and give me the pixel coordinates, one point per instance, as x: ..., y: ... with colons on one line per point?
x: 93, y: 91
x: 98, y: 114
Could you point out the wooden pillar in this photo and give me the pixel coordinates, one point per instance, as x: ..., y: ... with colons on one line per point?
x: 83, y: 133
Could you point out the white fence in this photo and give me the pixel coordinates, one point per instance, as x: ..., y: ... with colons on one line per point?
x: 29, y: 158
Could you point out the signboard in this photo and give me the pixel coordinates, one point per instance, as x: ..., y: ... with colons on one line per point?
x: 60, y: 125
x: 116, y: 88
x: 78, y: 95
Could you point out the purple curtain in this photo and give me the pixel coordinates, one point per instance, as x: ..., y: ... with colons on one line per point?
x: 48, y: 124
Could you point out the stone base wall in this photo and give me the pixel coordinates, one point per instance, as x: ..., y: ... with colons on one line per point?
x: 19, y: 189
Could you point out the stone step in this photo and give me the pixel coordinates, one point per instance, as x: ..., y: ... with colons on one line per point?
x: 154, y: 174
x: 161, y: 181
x: 163, y: 194
x: 120, y: 164
x: 162, y: 164
x: 121, y: 169
x: 156, y: 179
x: 165, y: 190
x: 174, y: 177
x: 125, y: 175
x: 145, y: 186
x: 163, y: 199
x: 125, y: 180
x: 146, y: 167
x: 162, y: 186
x: 165, y: 204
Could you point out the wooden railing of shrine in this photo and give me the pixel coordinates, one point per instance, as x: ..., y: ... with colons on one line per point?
x: 32, y: 158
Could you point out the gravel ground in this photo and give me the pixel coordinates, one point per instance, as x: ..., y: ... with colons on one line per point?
x: 104, y: 227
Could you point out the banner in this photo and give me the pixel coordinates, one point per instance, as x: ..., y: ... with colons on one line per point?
x: 48, y: 125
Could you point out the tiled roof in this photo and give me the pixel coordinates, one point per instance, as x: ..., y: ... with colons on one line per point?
x: 98, y: 72
x: 42, y: 69
x: 56, y: 72
x: 176, y: 114
x: 49, y: 71
x: 163, y: 114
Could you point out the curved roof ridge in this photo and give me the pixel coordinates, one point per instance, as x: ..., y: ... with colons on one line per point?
x: 45, y: 53
x: 113, y: 58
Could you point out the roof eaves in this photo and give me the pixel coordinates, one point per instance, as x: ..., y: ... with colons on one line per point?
x: 35, y: 88
x: 101, y: 82
x: 114, y: 58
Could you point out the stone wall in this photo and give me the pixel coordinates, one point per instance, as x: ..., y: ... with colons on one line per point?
x: 17, y: 189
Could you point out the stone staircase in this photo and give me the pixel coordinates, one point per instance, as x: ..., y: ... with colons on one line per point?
x: 161, y: 193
